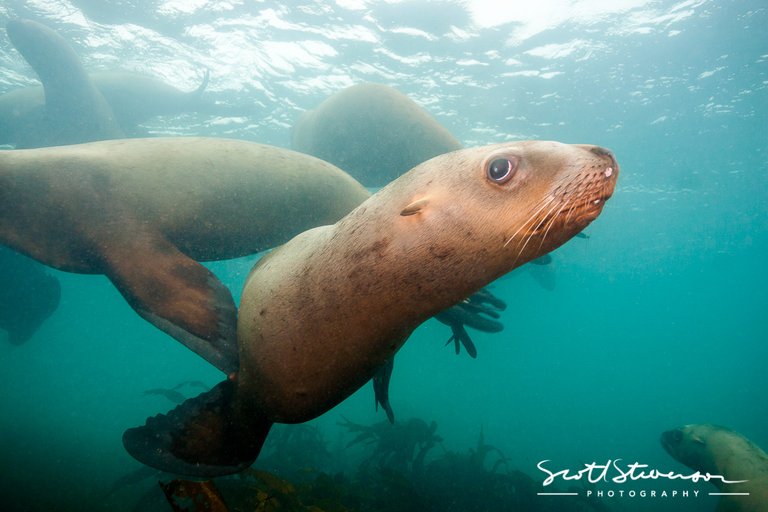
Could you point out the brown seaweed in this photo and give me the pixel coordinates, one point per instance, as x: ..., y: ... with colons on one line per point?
x: 193, y: 496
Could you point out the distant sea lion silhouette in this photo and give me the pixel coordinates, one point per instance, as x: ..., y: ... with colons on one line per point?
x: 373, y: 132
x: 321, y: 314
x: 134, y: 98
x: 28, y: 295
x: 75, y: 111
x: 720, y: 451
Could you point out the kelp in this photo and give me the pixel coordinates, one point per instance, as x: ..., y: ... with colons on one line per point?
x: 398, y: 472
x: 193, y: 496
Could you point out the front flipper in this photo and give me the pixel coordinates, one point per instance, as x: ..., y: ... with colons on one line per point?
x: 175, y: 293
x: 479, y: 311
x: 381, y: 387
x: 204, y: 436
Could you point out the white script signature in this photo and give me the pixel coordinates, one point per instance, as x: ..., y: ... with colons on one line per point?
x: 612, y: 471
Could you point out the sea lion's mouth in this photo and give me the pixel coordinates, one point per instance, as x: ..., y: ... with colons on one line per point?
x: 575, y: 204
x: 569, y: 207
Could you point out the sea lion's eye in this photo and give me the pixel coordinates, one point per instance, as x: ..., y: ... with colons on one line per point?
x: 501, y: 170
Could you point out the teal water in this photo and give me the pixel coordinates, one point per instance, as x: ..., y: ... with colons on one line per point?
x: 657, y: 320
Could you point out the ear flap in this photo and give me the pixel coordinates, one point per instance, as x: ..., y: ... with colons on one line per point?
x: 415, y: 207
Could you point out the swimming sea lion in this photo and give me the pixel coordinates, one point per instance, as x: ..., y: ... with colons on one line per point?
x: 28, y: 295
x: 133, y: 98
x: 75, y: 111
x: 320, y: 315
x: 720, y: 451
x: 373, y: 132
x: 144, y: 211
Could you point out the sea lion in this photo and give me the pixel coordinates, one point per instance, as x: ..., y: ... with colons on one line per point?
x: 75, y: 111
x: 28, y: 295
x: 720, y: 451
x: 321, y: 314
x: 134, y: 98
x: 144, y: 211
x: 373, y: 132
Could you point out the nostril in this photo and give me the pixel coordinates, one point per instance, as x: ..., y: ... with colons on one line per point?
x: 601, y: 151
x: 613, y: 167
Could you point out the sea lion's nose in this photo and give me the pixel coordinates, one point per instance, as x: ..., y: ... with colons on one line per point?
x: 612, y: 167
x: 601, y: 151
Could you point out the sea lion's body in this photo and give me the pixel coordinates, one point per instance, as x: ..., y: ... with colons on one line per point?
x: 721, y: 451
x: 73, y: 106
x: 133, y: 98
x: 373, y: 132
x: 322, y: 313
x: 143, y: 211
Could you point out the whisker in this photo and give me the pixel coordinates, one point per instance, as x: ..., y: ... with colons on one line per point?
x: 552, y: 223
x: 528, y: 239
x: 532, y: 217
x: 575, y: 205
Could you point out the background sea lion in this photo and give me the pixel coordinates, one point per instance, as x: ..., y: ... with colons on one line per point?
x: 28, y: 295
x: 321, y: 314
x: 373, y: 132
x: 142, y: 211
x: 75, y: 111
x: 721, y: 451
x: 134, y: 98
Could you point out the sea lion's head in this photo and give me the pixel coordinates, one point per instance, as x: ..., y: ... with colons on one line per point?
x: 690, y: 445
x: 507, y: 204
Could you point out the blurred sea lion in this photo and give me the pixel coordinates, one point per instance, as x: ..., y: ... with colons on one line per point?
x: 320, y: 314
x: 133, y: 97
x: 38, y: 116
x: 74, y: 111
x: 373, y: 132
x: 720, y: 451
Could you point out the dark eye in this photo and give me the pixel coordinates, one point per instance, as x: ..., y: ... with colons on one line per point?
x: 501, y: 170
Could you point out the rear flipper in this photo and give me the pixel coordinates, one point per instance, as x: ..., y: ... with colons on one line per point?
x: 381, y: 387
x: 204, y: 436
x: 172, y: 291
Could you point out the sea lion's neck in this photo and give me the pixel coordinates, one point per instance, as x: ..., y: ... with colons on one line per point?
x: 403, y: 269
x: 736, y: 458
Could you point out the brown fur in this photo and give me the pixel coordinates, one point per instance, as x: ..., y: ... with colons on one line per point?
x: 324, y: 311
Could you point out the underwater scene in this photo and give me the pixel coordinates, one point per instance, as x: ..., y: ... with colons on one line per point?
x: 586, y: 319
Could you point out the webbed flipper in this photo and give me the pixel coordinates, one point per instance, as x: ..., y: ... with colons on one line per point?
x: 381, y: 387
x: 175, y: 293
x: 479, y: 311
x: 204, y: 436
